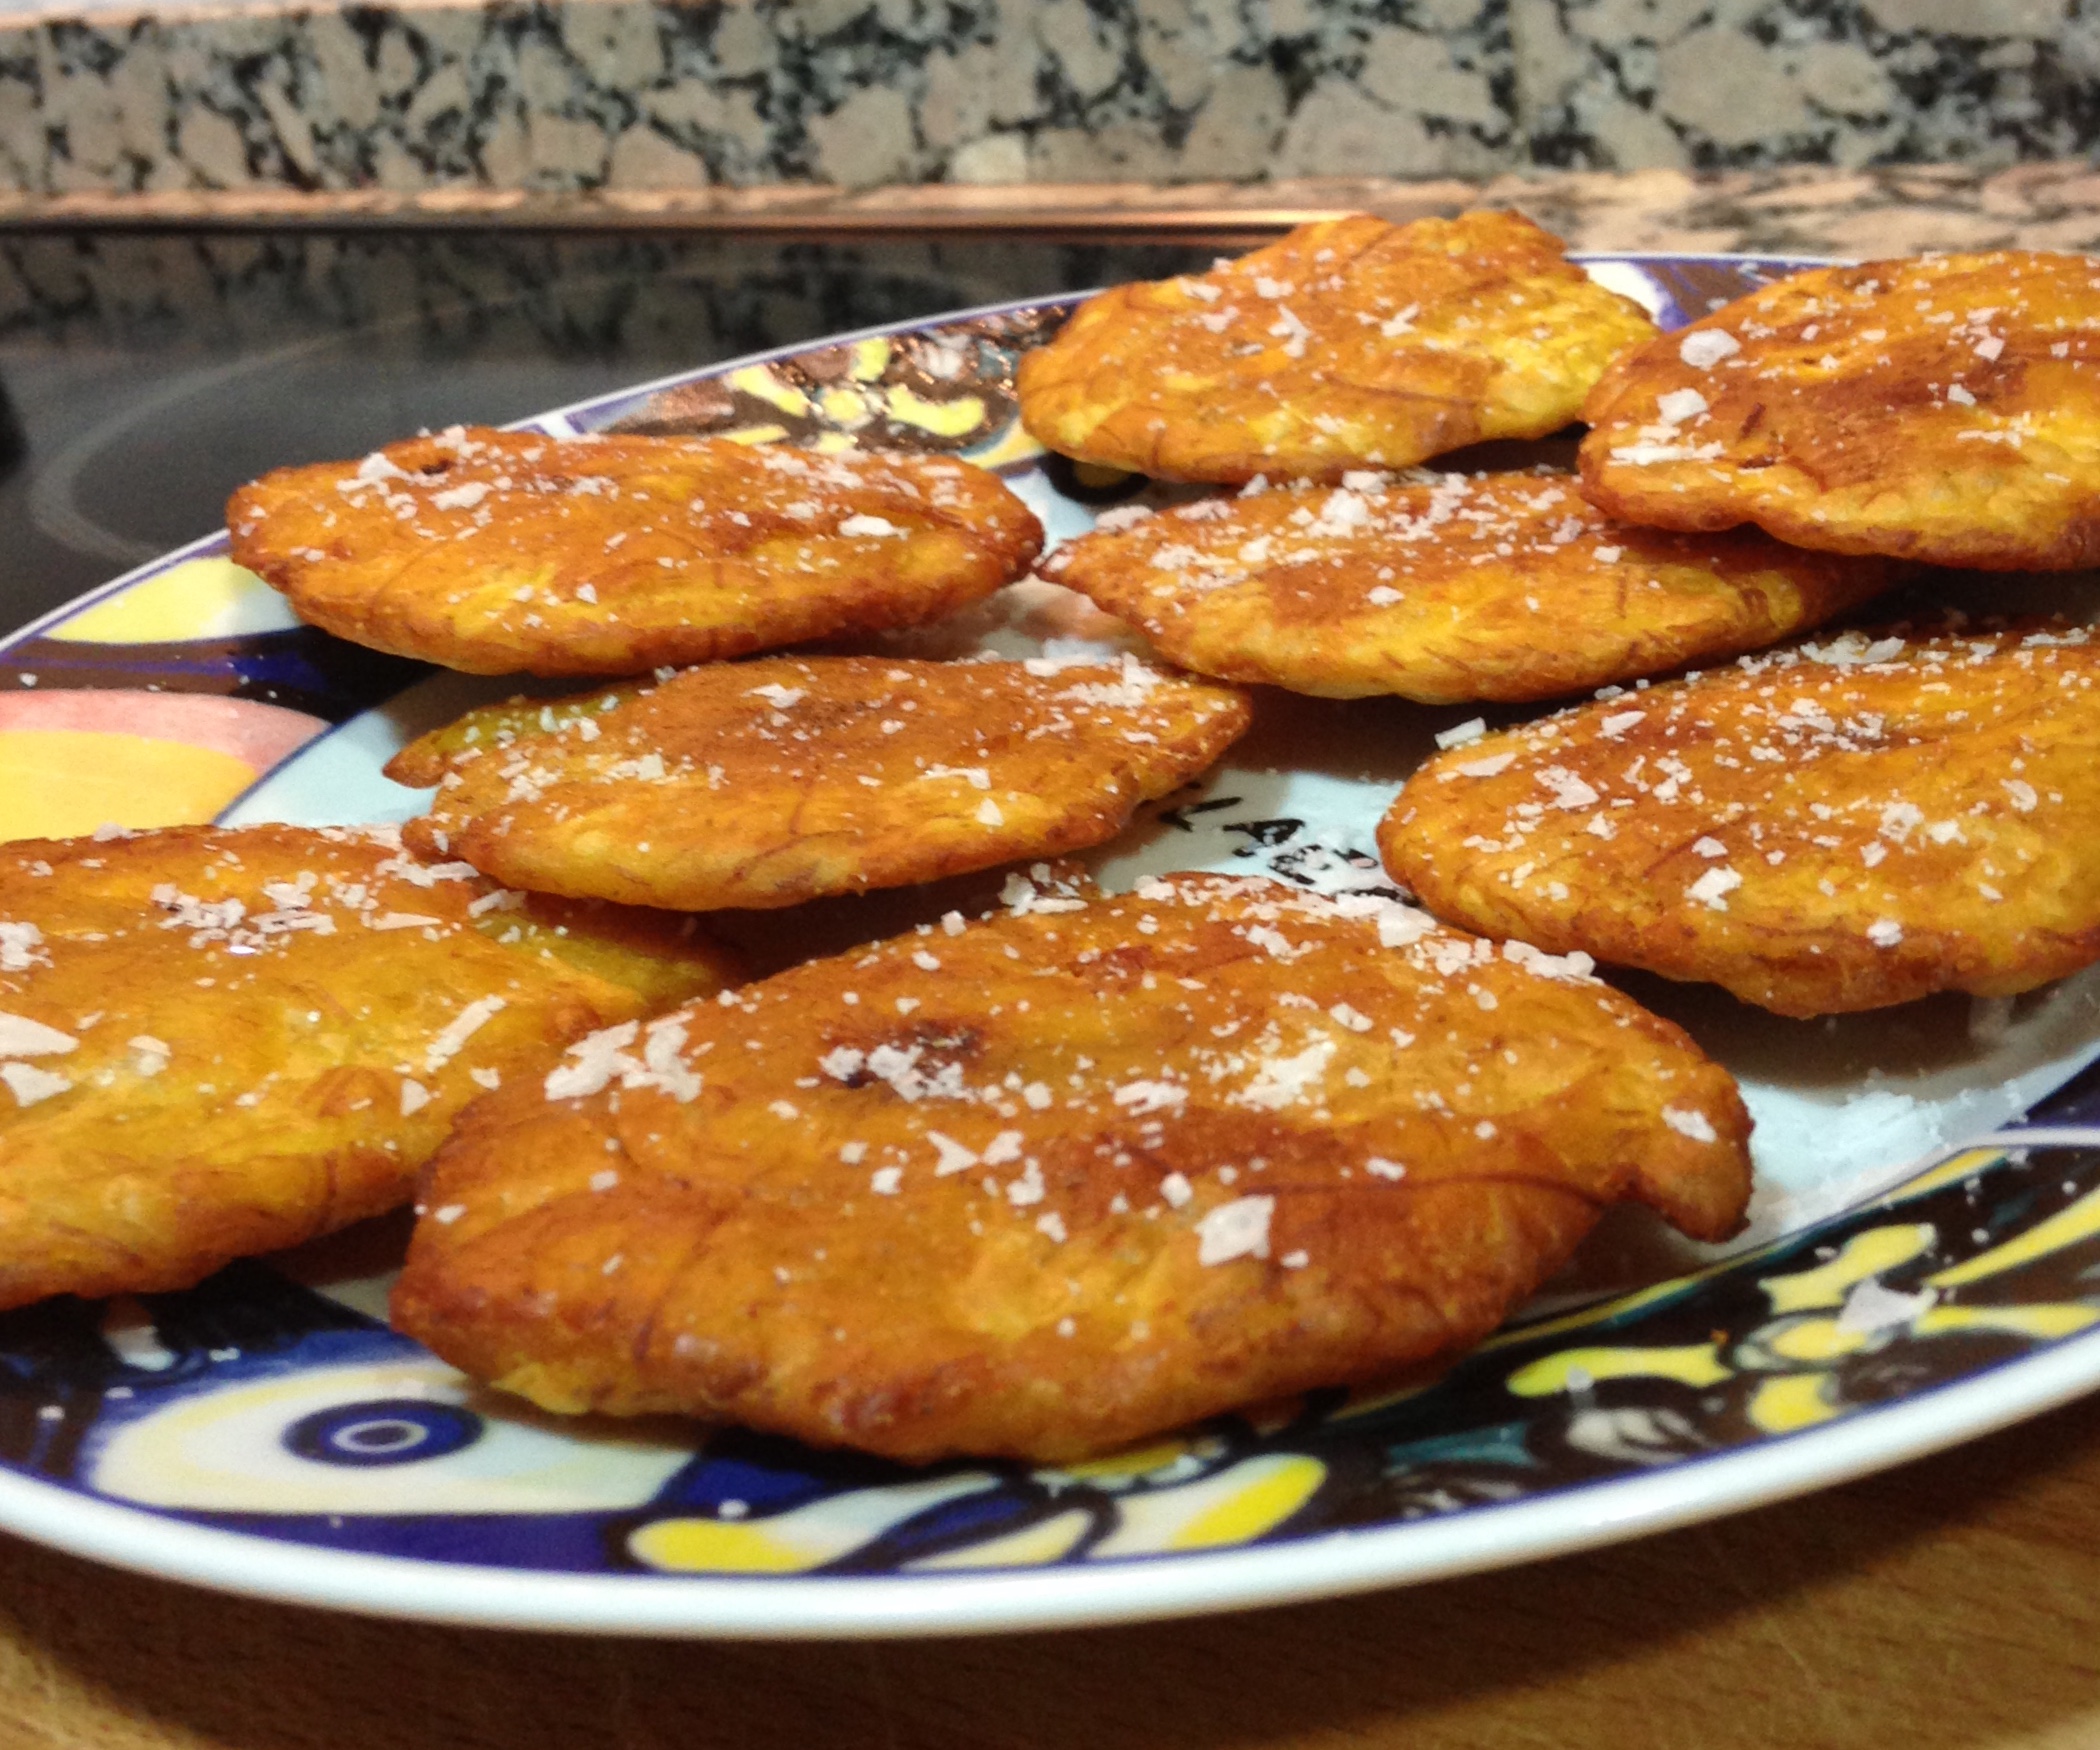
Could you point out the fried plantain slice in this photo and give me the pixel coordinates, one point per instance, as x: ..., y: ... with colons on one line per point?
x: 1491, y: 586
x: 1043, y: 1184
x: 1945, y: 409
x: 1818, y: 830
x: 1350, y: 343
x: 762, y: 784
x: 495, y: 551
x: 221, y: 1042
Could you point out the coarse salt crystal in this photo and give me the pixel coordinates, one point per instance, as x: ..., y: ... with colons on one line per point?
x: 1704, y: 348
x: 950, y: 1155
x: 1239, y: 1229
x: 1645, y: 452
x: 1143, y: 1097
x: 22, y: 1037
x: 1283, y: 1081
x: 1712, y: 888
x: 460, y: 1029
x: 1569, y: 791
x: 29, y: 1084
x: 1572, y: 967
x: 403, y: 920
x: 21, y: 947
x: 1680, y: 405
x: 1401, y: 925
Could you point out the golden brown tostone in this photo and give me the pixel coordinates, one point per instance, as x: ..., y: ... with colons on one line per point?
x: 1821, y: 829
x: 763, y: 784
x: 221, y: 1042
x: 1943, y: 408
x: 1456, y: 587
x: 1044, y: 1184
x: 1350, y: 343
x: 498, y: 552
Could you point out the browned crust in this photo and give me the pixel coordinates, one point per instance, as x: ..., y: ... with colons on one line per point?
x: 1944, y: 409
x: 1816, y: 836
x: 1350, y: 343
x: 780, y: 1246
x: 499, y: 552
x: 1494, y: 586
x: 763, y: 784
x: 241, y: 1080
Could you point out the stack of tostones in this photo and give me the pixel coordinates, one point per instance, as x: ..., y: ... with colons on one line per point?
x: 1096, y: 1166
x: 1350, y: 343
x: 763, y: 784
x: 496, y: 552
x: 1944, y: 409
x: 1818, y: 830
x: 1496, y: 586
x: 217, y: 1043
x: 1055, y: 1181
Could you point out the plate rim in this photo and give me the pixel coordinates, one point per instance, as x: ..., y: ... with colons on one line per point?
x: 1128, y: 1590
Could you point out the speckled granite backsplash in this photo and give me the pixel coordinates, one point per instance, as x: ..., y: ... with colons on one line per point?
x: 629, y: 94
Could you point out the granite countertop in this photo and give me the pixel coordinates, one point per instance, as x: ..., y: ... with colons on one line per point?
x: 570, y: 111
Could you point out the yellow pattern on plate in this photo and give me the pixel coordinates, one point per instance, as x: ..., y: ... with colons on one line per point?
x: 59, y: 783
x: 200, y: 598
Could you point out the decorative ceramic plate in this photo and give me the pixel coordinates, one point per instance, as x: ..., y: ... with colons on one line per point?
x: 1923, y: 1264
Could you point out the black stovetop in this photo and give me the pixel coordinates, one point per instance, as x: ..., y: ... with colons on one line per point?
x: 146, y: 376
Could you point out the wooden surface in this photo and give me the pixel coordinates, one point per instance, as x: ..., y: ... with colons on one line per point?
x: 1950, y: 1605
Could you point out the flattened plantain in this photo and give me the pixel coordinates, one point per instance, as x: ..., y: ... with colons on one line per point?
x: 221, y: 1042
x: 1820, y: 829
x: 1492, y: 586
x: 1350, y: 343
x: 766, y: 783
x: 497, y: 552
x: 1054, y: 1181
x: 1944, y: 409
